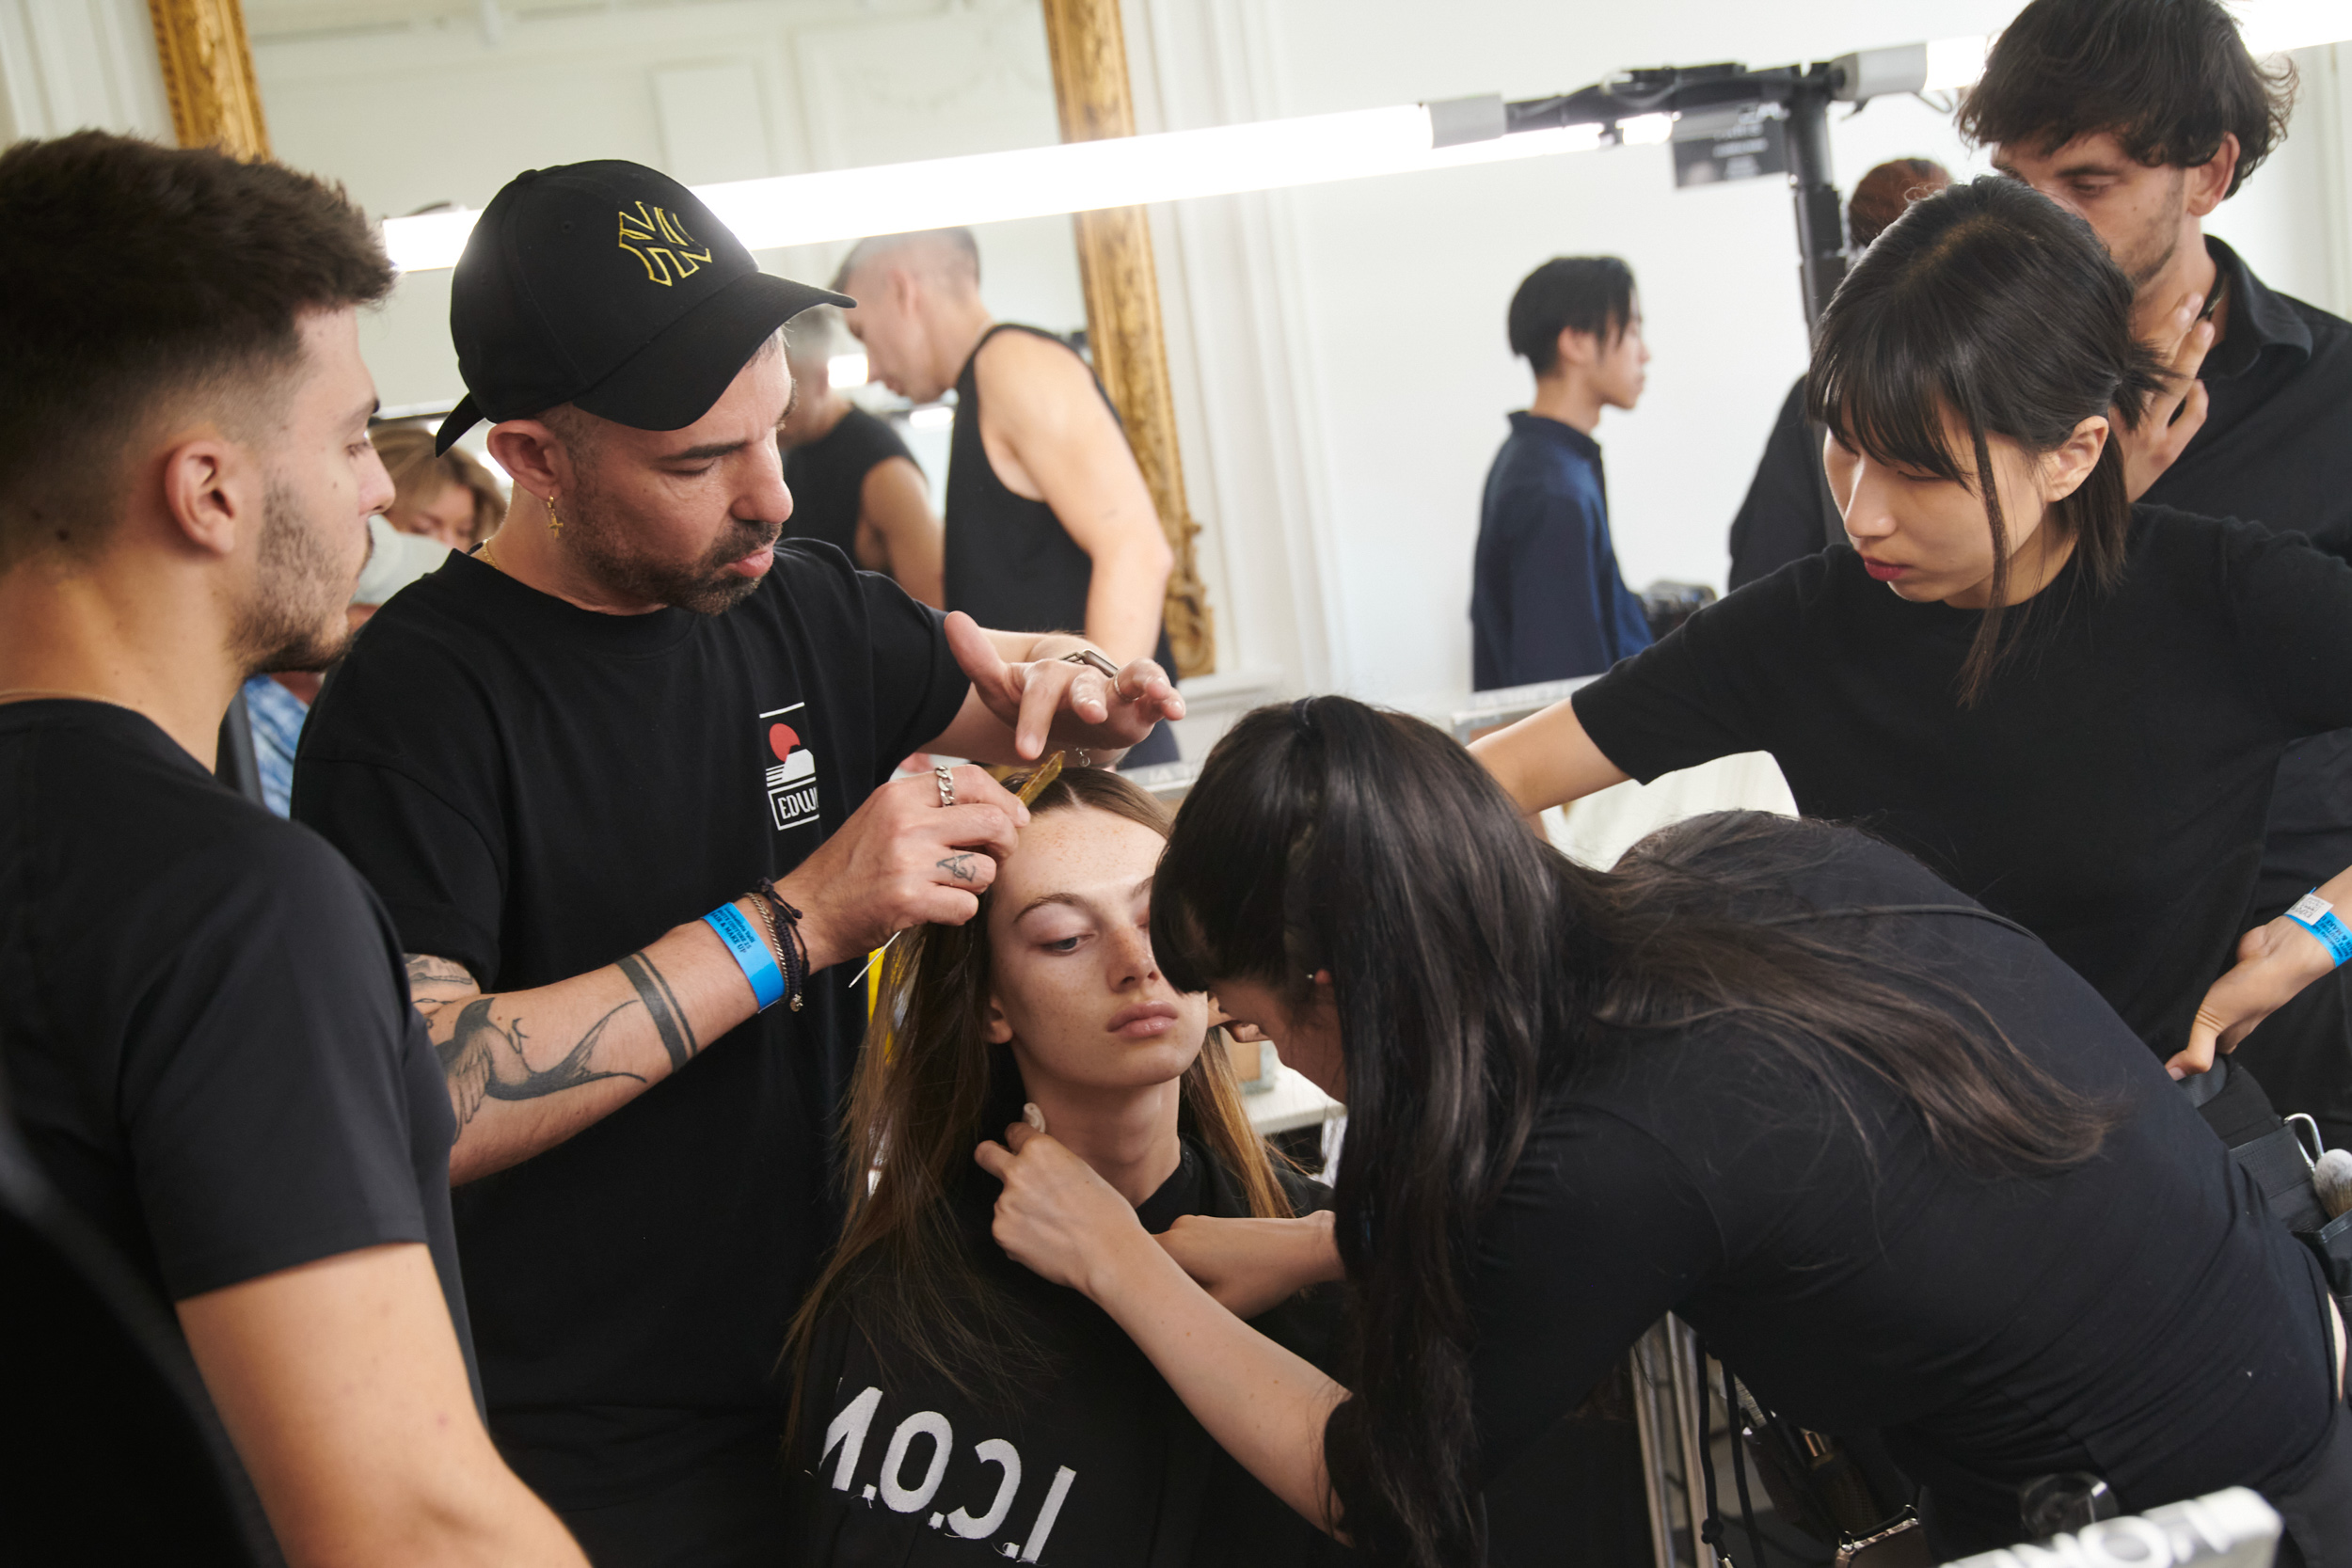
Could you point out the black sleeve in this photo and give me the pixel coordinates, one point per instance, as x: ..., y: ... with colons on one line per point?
x: 439, y: 868
x: 1782, y: 518
x: 263, y: 1093
x: 1709, y: 687
x: 918, y: 687
x: 1598, y: 1234
x: 870, y: 441
x: 2292, y: 607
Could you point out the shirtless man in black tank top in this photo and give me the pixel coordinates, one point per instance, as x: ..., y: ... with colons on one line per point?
x: 1050, y: 525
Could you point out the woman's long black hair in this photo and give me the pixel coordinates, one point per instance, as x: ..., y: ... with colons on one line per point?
x: 1475, y: 970
x: 1993, y: 302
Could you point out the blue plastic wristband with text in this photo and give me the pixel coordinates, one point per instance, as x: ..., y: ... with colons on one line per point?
x: 751, y: 953
x: 2318, y: 916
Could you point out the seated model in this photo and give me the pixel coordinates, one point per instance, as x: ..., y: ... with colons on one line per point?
x: 952, y: 1406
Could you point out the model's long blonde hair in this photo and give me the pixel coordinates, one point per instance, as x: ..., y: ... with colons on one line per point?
x: 930, y: 1087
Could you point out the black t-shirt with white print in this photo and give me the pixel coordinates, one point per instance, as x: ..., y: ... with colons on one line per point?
x: 1095, y: 1462
x: 536, y: 790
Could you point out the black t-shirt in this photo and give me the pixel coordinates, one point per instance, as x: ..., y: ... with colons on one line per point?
x: 1097, y: 1463
x: 2108, y: 790
x: 204, y: 1017
x: 827, y: 477
x: 2142, y: 1316
x: 537, y: 790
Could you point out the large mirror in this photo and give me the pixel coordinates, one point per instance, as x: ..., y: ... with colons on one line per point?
x: 423, y: 104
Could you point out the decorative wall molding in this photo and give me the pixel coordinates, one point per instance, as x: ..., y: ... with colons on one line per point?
x: 208, y: 75
x: 1093, y: 93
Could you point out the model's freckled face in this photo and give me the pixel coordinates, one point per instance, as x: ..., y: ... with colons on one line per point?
x: 1074, y: 989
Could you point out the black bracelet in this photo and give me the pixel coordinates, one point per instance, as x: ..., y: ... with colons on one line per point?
x: 795, y: 945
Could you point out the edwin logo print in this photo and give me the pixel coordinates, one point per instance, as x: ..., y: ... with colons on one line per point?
x: 792, y: 780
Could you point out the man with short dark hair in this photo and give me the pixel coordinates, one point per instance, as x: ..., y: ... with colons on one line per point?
x: 1546, y: 600
x: 203, y: 1013
x: 633, y: 704
x: 2144, y: 116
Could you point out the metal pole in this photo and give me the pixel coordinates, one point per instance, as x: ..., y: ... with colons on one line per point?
x: 1651, y: 1381
x: 1821, y: 217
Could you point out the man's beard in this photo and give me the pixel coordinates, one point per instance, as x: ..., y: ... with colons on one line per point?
x: 296, y: 619
x: 2152, y: 250
x: 600, y: 540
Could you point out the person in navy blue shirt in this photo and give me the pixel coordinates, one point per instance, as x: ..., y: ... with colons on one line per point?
x: 1547, y: 599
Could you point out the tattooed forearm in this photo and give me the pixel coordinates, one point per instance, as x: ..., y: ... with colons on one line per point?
x: 484, y: 1059
x: 669, y: 1019
x: 959, y: 867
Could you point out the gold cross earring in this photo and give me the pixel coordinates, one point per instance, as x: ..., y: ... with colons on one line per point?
x: 555, y: 524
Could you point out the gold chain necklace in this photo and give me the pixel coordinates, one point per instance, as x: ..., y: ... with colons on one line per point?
x: 488, y: 559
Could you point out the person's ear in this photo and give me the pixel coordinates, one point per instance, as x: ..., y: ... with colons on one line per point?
x: 213, y: 493
x: 2208, y: 183
x: 529, y: 452
x: 1576, y: 348
x: 2064, y: 470
x: 997, y: 1026
x: 905, y: 289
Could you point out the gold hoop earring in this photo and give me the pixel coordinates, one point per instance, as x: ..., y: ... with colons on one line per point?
x: 555, y: 523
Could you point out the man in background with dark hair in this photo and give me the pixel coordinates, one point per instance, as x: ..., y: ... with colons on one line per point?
x: 854, y: 482
x: 1789, y: 513
x: 2144, y: 116
x: 203, y: 1012
x: 1547, y: 599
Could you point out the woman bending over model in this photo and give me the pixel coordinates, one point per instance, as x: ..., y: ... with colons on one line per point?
x: 953, y: 1407
x: 2067, y: 711
x: 1899, y: 1167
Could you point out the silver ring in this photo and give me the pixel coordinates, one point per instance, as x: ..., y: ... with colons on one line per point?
x: 1101, y: 665
x: 944, y: 777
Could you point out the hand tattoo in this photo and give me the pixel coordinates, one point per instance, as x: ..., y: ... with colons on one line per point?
x: 959, y: 867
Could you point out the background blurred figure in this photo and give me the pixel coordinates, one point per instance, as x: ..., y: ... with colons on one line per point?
x: 1789, y: 513
x: 451, y: 497
x: 1050, y: 525
x: 854, y: 482
x: 1547, y: 599
x: 275, y: 705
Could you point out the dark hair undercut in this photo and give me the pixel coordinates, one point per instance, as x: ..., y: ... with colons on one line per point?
x: 139, y: 278
x: 1592, y: 294
x: 1991, y: 303
x: 2167, y: 78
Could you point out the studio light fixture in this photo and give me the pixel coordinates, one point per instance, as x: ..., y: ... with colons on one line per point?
x: 1176, y: 165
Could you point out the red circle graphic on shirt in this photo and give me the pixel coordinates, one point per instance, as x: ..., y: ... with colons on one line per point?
x: 781, y: 741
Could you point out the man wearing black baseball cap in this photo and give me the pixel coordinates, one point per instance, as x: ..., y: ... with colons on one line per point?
x: 632, y: 706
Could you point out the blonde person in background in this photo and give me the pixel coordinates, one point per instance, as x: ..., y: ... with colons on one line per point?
x: 451, y: 497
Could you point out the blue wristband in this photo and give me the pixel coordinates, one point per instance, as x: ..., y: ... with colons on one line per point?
x: 751, y: 955
x: 2318, y: 916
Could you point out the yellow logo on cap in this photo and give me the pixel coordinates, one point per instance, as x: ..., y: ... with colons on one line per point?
x: 661, y: 242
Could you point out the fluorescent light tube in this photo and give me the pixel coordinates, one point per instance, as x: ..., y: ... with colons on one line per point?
x: 1042, y: 182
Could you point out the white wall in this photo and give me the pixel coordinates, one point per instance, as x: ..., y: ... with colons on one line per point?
x: 67, y: 65
x: 446, y: 110
x: 1384, y: 299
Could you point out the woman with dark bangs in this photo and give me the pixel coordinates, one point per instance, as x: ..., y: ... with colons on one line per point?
x: 1897, y: 1166
x: 952, y: 1408
x: 2067, y: 707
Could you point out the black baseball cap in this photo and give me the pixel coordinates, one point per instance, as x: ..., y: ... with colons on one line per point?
x: 609, y: 286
